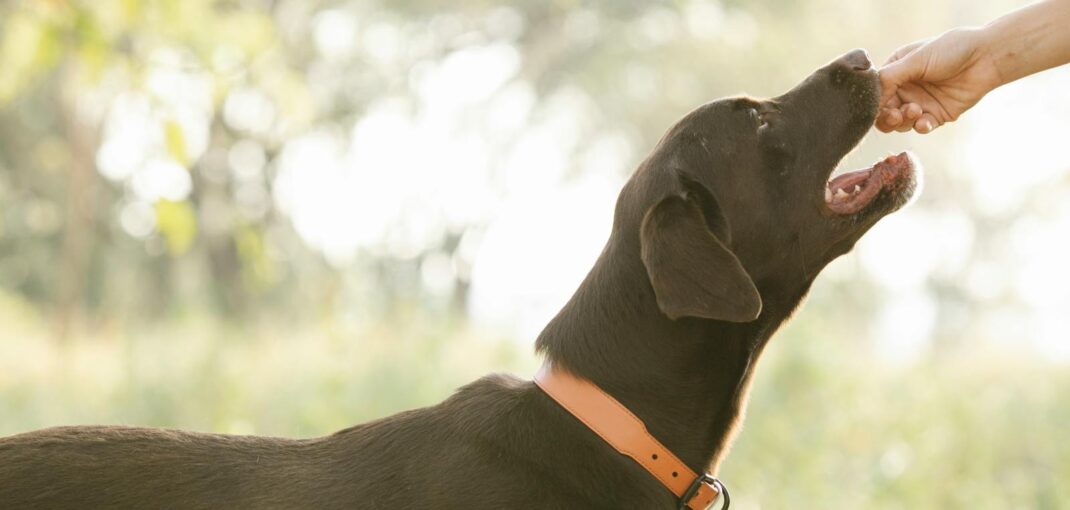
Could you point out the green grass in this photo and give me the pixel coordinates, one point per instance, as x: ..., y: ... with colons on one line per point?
x: 829, y: 425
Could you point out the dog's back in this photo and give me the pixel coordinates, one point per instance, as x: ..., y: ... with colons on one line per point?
x: 93, y: 467
x: 402, y: 461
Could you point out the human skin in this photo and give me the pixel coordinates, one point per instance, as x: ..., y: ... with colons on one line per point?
x: 930, y: 82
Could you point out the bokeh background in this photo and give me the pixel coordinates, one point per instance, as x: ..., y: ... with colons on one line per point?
x: 285, y: 217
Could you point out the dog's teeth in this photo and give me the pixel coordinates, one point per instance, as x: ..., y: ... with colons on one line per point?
x: 840, y: 193
x: 857, y: 188
x: 828, y: 195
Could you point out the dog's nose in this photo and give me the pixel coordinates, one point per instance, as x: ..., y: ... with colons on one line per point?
x: 857, y: 60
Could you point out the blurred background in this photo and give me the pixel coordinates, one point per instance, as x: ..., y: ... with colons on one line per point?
x: 285, y: 217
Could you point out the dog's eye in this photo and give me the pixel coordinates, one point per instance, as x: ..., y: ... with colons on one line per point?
x: 763, y: 118
x: 760, y: 118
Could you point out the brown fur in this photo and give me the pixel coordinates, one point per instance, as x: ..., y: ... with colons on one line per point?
x: 716, y: 239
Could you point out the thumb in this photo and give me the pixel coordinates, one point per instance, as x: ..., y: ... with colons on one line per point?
x: 906, y: 65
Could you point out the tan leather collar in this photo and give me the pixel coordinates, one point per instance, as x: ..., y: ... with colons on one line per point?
x: 626, y: 433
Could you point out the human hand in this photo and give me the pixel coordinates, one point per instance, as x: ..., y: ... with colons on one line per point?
x: 930, y: 82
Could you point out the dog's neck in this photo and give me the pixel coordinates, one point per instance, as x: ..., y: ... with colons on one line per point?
x: 687, y: 379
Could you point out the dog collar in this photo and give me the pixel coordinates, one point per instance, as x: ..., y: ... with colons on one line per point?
x: 627, y: 434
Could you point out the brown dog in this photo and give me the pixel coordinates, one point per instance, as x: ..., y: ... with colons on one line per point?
x: 716, y: 239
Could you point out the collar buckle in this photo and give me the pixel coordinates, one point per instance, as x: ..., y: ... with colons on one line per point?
x: 692, y: 491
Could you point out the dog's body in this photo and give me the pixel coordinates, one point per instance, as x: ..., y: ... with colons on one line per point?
x: 716, y: 239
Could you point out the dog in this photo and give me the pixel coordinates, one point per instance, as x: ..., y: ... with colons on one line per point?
x: 716, y: 239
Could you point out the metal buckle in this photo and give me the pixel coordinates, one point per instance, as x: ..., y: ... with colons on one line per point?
x: 722, y: 492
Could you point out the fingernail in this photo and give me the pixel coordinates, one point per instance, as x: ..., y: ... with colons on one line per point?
x: 925, y: 126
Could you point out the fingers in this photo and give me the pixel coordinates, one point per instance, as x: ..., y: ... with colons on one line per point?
x: 888, y: 119
x: 899, y: 119
x: 889, y: 116
x: 901, y: 68
x: 896, y: 74
x: 911, y: 112
x: 926, y: 124
x: 905, y: 105
x: 905, y: 118
x: 904, y: 51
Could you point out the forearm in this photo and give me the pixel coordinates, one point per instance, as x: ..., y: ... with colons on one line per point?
x: 1029, y: 40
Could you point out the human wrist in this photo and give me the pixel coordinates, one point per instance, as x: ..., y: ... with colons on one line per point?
x: 997, y: 47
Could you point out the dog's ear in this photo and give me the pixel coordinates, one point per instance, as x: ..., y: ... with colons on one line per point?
x: 692, y: 271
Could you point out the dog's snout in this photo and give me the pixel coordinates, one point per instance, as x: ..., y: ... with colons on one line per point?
x: 857, y: 60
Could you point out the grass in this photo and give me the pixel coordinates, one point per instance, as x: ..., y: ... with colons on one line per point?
x: 828, y: 426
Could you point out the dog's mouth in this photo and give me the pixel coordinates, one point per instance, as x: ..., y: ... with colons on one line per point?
x: 893, y: 177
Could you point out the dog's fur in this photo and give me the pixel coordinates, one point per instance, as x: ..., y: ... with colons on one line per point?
x: 716, y: 239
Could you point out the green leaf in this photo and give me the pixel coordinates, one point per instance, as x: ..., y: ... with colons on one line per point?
x: 27, y: 47
x: 258, y: 271
x: 177, y: 223
x: 176, y: 142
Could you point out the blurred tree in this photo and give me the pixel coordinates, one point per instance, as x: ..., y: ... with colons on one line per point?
x: 145, y: 146
x: 68, y: 68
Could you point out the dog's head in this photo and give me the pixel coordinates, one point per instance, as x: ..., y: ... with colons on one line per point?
x: 735, y: 206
